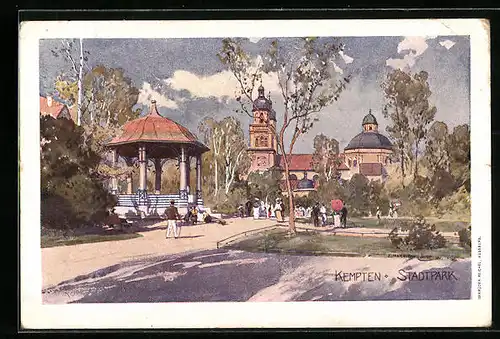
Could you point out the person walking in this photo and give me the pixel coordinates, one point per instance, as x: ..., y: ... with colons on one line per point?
x: 322, y: 211
x: 343, y: 216
x: 172, y: 217
x: 248, y: 208
x: 315, y: 215
x: 278, y: 210
x: 256, y: 209
x: 378, y: 215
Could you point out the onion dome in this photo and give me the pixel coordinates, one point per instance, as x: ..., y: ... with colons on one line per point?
x: 369, y: 119
x: 305, y: 184
x: 264, y: 104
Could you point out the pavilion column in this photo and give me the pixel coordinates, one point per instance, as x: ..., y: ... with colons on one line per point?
x: 158, y: 171
x: 198, y: 177
x: 188, y: 175
x: 130, y: 188
x: 143, y: 161
x: 182, y: 169
x: 114, y: 179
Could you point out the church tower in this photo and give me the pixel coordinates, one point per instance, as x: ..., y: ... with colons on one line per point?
x: 263, y: 146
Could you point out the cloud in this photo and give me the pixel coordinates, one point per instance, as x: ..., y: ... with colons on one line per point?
x: 447, y: 44
x: 408, y: 61
x: 347, y: 59
x: 147, y: 93
x: 415, y: 46
x: 255, y: 40
x: 221, y: 85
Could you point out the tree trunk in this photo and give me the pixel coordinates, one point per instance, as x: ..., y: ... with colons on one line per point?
x: 291, y: 214
x: 415, y: 173
x: 216, y: 174
x: 80, y: 85
x: 402, y: 168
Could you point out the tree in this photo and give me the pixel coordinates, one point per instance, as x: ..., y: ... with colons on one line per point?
x: 71, y: 189
x: 358, y: 194
x: 307, y: 80
x: 459, y: 153
x: 399, y: 103
x: 421, y: 112
x: 265, y: 185
x: 228, y: 148
x: 76, y: 73
x: 325, y: 157
x: 436, y: 147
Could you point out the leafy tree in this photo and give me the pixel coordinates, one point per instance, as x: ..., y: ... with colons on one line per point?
x: 358, y: 194
x: 325, y: 157
x: 229, y: 150
x: 71, y: 191
x: 306, y: 77
x: 399, y: 105
x: 265, y: 185
x: 459, y: 153
x: 436, y: 147
x: 421, y: 112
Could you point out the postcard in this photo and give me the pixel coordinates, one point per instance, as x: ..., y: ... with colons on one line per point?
x: 255, y: 174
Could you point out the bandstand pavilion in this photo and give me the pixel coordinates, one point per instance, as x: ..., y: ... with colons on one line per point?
x: 156, y: 138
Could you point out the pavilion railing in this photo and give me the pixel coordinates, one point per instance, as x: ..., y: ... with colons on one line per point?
x: 153, y: 201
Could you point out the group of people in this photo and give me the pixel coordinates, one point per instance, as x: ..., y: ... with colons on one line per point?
x: 172, y: 215
x: 320, y: 219
x: 259, y: 209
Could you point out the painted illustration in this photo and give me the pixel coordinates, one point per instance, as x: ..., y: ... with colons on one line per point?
x: 255, y: 169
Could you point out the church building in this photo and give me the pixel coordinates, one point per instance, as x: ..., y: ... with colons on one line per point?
x: 367, y: 153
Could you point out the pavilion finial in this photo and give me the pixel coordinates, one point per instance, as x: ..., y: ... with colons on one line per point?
x: 153, y: 111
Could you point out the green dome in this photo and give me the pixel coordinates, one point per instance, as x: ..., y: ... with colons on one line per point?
x: 369, y: 119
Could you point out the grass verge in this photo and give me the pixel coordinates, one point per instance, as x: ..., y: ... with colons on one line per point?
x: 386, y: 223
x: 58, y: 240
x: 313, y: 243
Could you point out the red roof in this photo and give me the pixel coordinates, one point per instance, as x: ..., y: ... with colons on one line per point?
x: 370, y: 169
x: 153, y: 127
x: 298, y: 162
x: 54, y: 109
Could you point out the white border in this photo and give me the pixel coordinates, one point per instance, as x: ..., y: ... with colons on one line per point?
x: 473, y: 312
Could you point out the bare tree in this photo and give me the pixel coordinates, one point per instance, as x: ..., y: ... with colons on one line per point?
x: 77, y: 74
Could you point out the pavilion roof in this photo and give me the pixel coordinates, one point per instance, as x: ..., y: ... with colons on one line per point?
x: 154, y: 128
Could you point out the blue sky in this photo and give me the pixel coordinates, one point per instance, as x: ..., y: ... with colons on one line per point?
x: 189, y: 83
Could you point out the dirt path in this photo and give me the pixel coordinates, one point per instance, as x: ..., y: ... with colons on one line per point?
x: 66, y: 262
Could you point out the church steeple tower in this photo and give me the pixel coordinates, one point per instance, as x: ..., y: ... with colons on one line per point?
x: 263, y: 144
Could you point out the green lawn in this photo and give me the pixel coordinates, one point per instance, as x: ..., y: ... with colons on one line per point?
x: 277, y: 241
x: 52, y: 241
x: 441, y: 225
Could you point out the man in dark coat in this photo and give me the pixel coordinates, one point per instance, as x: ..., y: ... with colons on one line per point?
x: 343, y: 216
x: 315, y: 214
x: 172, y: 215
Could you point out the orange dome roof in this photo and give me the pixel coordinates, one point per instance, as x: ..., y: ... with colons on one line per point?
x: 162, y: 134
x: 154, y: 128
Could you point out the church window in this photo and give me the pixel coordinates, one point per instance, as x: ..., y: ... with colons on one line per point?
x: 292, y: 177
x: 350, y: 162
x: 355, y: 163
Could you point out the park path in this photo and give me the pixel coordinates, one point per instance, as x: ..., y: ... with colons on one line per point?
x: 66, y: 262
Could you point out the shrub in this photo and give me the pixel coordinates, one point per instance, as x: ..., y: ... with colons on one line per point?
x: 421, y: 235
x: 464, y: 236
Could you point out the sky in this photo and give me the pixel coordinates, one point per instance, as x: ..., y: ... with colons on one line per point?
x: 189, y: 82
